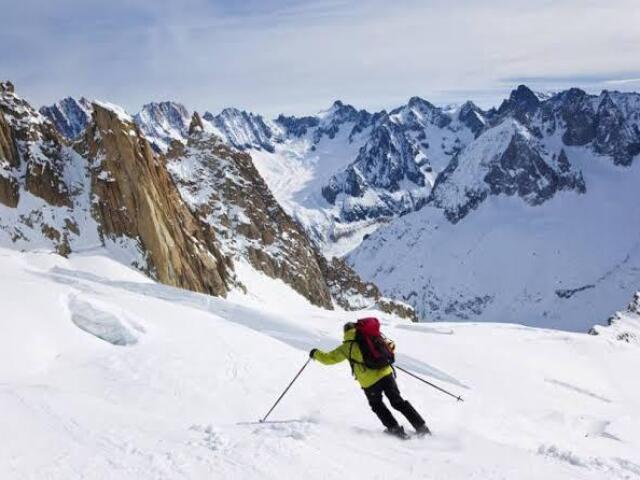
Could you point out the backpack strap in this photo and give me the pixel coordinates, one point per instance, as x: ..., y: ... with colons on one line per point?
x: 352, y: 362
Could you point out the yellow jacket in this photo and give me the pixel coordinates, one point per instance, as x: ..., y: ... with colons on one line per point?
x: 349, y: 350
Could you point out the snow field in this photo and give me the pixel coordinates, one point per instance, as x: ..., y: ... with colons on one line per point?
x: 538, y: 403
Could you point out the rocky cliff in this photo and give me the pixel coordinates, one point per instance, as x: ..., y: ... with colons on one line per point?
x: 108, y: 188
x: 225, y: 191
x: 136, y: 198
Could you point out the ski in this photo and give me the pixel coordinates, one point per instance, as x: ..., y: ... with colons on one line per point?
x: 267, y: 422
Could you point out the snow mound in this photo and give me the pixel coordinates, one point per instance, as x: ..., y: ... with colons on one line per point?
x: 101, y: 324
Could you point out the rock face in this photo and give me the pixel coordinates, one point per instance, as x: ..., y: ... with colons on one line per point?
x: 10, y: 160
x: 352, y: 293
x: 384, y: 163
x: 224, y: 190
x: 40, y: 179
x: 34, y: 149
x: 70, y: 116
x: 109, y: 189
x: 506, y: 160
x: 243, y: 130
x: 136, y: 199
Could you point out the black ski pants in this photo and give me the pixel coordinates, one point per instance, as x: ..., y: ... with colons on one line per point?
x: 389, y: 387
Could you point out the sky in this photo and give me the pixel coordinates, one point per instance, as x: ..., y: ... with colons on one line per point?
x: 297, y: 57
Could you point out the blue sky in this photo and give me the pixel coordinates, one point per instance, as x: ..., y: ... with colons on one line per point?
x: 291, y: 56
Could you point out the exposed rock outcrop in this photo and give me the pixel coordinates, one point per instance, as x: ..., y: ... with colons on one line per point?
x: 622, y: 326
x: 225, y: 191
x: 41, y: 180
x: 352, y: 293
x: 505, y: 160
x: 32, y: 149
x: 9, y: 190
x: 136, y: 198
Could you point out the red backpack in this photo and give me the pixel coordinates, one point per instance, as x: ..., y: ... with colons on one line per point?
x: 375, y: 349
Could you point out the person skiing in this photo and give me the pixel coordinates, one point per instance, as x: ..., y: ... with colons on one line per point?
x: 374, y: 381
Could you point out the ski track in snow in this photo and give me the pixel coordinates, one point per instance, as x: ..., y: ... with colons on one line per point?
x: 577, y: 389
x: 540, y: 403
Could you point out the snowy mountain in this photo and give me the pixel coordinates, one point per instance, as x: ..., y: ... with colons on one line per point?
x: 440, y: 182
x: 225, y: 190
x: 358, y: 169
x: 163, y: 122
x: 241, y: 129
x: 505, y: 160
x: 534, y: 220
x: 108, y: 190
x: 131, y: 379
x: 187, y: 218
x: 70, y: 116
x: 188, y: 285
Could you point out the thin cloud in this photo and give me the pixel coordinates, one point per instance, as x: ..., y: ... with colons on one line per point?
x: 291, y: 56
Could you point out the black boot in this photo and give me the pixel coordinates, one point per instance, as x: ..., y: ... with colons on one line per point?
x: 422, y: 430
x: 397, y: 431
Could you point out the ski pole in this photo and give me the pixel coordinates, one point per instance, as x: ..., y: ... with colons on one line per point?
x: 286, y: 390
x: 459, y: 398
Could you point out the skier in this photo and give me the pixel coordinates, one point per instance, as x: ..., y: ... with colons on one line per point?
x: 374, y: 382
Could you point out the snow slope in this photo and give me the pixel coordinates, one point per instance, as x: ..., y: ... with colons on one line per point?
x: 105, y: 374
x: 296, y: 171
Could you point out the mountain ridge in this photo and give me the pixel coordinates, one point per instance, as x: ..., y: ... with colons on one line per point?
x: 113, y: 188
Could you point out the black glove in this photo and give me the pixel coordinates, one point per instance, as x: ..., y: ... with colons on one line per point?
x: 312, y: 352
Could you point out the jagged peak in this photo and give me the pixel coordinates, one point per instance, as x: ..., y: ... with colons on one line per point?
x: 69, y: 115
x: 7, y: 86
x: 572, y: 94
x: 470, y: 106
x: 18, y: 109
x: 232, y: 111
x: 339, y: 109
x: 117, y: 110
x: 163, y: 104
x: 421, y: 103
x: 196, y: 124
x: 522, y: 93
x: 606, y: 100
x: 163, y: 107
x: 74, y: 101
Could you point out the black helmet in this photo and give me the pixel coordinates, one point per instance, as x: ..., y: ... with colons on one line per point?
x: 349, y: 326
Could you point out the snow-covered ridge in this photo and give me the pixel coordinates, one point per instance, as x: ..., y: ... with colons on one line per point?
x: 623, y: 326
x: 184, y: 218
x: 417, y: 140
x: 70, y: 116
x: 163, y: 122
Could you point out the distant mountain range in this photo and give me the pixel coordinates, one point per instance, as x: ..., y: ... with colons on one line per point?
x: 188, y: 217
x: 526, y: 213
